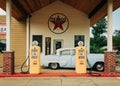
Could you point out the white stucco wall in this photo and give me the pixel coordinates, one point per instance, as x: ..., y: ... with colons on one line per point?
x: 79, y: 24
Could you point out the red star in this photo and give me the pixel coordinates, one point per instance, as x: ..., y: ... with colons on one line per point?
x: 58, y: 22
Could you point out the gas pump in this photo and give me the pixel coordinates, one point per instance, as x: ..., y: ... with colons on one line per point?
x: 80, y: 58
x: 35, y: 67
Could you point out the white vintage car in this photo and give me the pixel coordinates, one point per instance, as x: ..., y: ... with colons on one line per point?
x: 65, y: 58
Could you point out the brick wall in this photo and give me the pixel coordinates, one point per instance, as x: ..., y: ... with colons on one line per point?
x: 110, y: 62
x: 8, y: 63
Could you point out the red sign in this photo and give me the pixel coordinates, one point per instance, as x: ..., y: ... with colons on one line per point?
x: 2, y: 29
x: 58, y: 23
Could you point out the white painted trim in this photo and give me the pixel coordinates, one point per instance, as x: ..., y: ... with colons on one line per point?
x: 109, y: 39
x: 8, y: 25
x: 27, y: 38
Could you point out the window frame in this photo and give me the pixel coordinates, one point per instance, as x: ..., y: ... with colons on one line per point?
x: 79, y: 38
x: 3, y: 47
x: 40, y: 42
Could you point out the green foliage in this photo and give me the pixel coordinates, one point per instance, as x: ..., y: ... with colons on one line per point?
x: 99, y: 29
x: 116, y: 40
x: 99, y: 39
x: 118, y: 56
x: 95, y: 49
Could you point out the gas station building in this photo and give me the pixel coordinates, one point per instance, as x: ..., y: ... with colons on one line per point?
x: 53, y: 23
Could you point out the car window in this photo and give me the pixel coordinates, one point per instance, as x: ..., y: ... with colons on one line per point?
x: 65, y: 52
x: 73, y: 52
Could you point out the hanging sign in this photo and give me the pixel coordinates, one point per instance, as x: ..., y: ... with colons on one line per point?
x: 2, y: 28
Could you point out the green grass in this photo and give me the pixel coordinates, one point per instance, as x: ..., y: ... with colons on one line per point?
x: 118, y: 56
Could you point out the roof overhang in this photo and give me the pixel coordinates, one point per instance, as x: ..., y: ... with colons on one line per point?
x: 95, y: 9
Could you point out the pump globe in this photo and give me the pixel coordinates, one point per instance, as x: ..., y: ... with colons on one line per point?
x: 34, y: 43
x: 80, y: 43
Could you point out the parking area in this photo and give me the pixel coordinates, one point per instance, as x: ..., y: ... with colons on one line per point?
x: 60, y: 70
x: 66, y: 72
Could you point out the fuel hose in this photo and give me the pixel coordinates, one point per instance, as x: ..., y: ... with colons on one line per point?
x: 25, y: 70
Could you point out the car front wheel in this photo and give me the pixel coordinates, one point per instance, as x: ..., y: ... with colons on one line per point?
x: 54, y: 66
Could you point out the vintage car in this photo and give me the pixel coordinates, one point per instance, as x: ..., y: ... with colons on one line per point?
x: 65, y: 58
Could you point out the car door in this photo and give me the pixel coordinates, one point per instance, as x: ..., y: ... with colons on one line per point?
x: 72, y: 58
x: 65, y: 58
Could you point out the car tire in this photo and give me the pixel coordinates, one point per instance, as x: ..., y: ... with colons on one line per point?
x: 54, y: 66
x: 99, y: 66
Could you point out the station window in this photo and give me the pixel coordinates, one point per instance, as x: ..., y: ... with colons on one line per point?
x: 78, y: 38
x: 38, y: 38
x: 2, y: 45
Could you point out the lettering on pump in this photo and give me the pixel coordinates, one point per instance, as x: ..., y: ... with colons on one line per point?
x: 34, y: 53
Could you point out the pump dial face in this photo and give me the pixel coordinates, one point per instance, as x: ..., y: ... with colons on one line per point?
x: 34, y: 52
x: 81, y: 52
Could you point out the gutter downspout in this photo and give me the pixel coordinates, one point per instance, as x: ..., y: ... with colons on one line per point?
x: 28, y: 36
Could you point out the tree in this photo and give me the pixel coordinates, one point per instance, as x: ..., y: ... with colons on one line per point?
x: 99, y: 28
x: 116, y: 40
x: 99, y: 39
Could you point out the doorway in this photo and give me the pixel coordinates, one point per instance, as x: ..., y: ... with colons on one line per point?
x: 57, y: 43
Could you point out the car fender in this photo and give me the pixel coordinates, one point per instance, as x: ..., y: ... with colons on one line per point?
x: 94, y: 58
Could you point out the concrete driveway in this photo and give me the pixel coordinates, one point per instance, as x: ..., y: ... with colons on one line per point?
x: 60, y: 81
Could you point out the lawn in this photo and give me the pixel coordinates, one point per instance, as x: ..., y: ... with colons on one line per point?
x: 118, y: 58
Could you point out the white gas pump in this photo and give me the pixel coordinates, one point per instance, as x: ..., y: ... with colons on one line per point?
x: 80, y: 58
x: 35, y: 67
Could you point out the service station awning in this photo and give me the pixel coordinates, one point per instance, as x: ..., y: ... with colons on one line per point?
x: 95, y: 9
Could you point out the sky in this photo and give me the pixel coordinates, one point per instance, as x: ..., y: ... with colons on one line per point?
x: 2, y: 12
x: 116, y: 19
x: 115, y: 22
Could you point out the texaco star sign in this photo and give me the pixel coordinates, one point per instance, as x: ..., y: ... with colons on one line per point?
x: 58, y: 23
